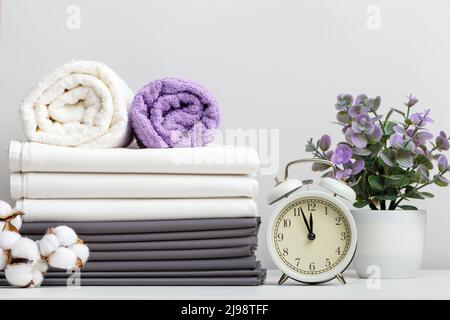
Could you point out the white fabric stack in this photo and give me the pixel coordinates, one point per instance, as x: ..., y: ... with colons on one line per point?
x: 55, y: 183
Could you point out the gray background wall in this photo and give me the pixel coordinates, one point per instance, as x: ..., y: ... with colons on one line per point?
x: 271, y: 64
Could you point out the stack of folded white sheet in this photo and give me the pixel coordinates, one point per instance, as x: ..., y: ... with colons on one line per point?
x: 211, y: 189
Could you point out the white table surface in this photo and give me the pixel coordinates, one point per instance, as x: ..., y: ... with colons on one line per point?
x: 429, y: 284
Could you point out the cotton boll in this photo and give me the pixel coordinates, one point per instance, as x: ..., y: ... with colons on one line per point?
x: 8, y: 239
x: 40, y: 266
x: 37, y: 278
x: 63, y: 258
x: 19, y: 274
x: 5, y: 209
x: 81, y: 250
x: 66, y: 235
x: 26, y: 249
x: 48, y: 244
x: 3, y: 259
x: 2, y: 225
x: 16, y: 222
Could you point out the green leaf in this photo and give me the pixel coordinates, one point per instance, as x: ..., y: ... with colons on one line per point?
x: 317, y: 167
x: 423, y: 174
x: 361, y: 152
x: 414, y: 194
x: 422, y: 159
x: 405, y: 158
x: 375, y: 183
x: 389, y: 127
x: 361, y: 204
x: 440, y: 181
x: 388, y: 197
x: 408, y: 207
x: 309, y: 148
x: 427, y: 194
x: 396, y: 180
x: 388, y: 156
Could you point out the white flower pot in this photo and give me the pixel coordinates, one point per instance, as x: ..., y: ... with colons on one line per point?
x: 390, y: 243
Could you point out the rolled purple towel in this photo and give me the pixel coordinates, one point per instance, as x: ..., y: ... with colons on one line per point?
x: 170, y: 113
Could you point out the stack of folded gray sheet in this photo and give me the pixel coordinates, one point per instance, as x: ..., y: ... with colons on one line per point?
x: 146, y: 219
x: 164, y: 252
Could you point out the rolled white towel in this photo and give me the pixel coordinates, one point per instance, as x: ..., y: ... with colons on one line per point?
x: 80, y: 104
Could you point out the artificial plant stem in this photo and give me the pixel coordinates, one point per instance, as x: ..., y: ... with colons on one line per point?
x: 383, y: 204
x: 392, y: 205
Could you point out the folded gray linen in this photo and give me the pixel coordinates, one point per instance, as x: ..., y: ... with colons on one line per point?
x: 212, y: 281
x: 145, y: 226
x: 163, y: 236
x: 241, y: 263
x: 162, y: 274
x: 174, y: 244
x: 243, y: 251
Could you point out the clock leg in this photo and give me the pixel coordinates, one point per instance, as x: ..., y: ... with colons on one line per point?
x: 341, y: 279
x: 282, y: 279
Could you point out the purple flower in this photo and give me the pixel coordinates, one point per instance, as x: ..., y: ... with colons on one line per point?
x: 442, y: 163
x: 329, y: 154
x: 325, y: 142
x: 344, y: 101
x: 357, y: 110
x: 343, y: 174
x: 358, y: 140
x: 411, y: 101
x: 362, y: 100
x: 342, y: 154
x: 377, y: 134
x: 442, y: 142
x: 422, y: 137
x: 396, y: 140
x: 350, y: 169
x: 421, y: 119
x: 399, y: 141
x: 363, y: 124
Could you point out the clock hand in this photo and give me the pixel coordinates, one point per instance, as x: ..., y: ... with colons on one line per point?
x: 305, y: 221
x: 311, y: 235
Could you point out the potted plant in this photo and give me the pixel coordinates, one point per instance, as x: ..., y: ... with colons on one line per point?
x: 387, y: 160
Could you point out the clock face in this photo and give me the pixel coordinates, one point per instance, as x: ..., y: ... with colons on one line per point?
x: 311, y: 235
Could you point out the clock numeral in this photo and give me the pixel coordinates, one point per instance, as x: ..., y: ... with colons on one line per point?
x: 285, y: 252
x: 312, y: 266
x: 326, y: 211
x: 311, y: 206
x: 343, y: 236
x: 327, y: 262
x: 338, y: 221
x: 297, y: 261
x: 296, y: 212
x: 338, y: 250
x: 280, y: 236
x: 287, y: 223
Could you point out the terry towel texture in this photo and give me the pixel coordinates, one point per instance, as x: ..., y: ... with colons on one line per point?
x: 80, y: 104
x: 133, y: 209
x: 144, y: 226
x: 171, y: 113
x: 214, y: 159
x: 132, y: 185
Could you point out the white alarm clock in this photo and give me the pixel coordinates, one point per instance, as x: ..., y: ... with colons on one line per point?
x: 312, y: 235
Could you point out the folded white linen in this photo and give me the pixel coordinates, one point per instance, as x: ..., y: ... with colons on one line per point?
x: 80, y: 104
x: 134, y: 209
x: 37, y: 185
x: 213, y: 159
